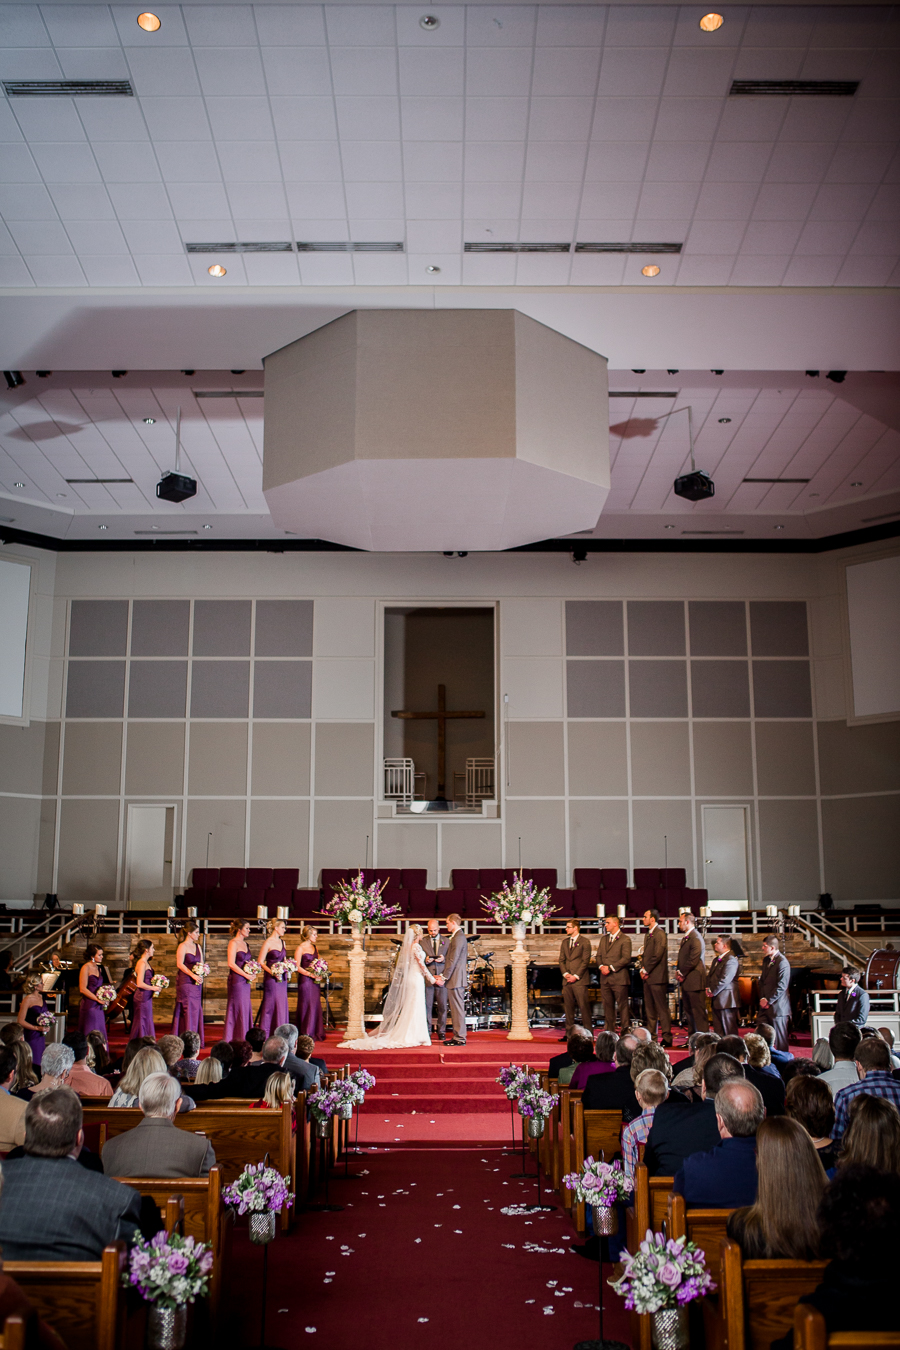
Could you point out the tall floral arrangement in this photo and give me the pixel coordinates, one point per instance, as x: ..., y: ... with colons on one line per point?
x: 520, y: 902
x: 513, y: 1078
x: 663, y: 1273
x: 258, y: 1190
x: 534, y: 1101
x: 356, y: 903
x: 169, y: 1270
x: 598, y: 1183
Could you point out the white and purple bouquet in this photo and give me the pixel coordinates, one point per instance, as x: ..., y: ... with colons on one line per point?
x: 356, y: 903
x: 663, y: 1273
x: 327, y: 1102
x: 252, y: 969
x: 512, y: 1079
x: 106, y: 994
x: 169, y: 1269
x: 357, y: 1085
x: 521, y: 902
x: 201, y: 969
x: 599, y: 1183
x: 259, y: 1190
x: 318, y: 968
x: 283, y: 970
x: 45, y: 1021
x: 159, y: 983
x: 534, y: 1101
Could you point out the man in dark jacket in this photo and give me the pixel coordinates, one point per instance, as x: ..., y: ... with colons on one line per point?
x: 614, y: 964
x: 575, y: 962
x: 770, y: 1085
x: 655, y: 974
x: 852, y: 1002
x: 249, y: 1081
x: 774, y: 999
x: 614, y: 1091
x: 725, y: 1178
x: 691, y: 974
x: 681, y: 1128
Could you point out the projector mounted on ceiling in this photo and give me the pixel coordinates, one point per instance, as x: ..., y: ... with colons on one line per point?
x: 176, y: 486
x: 697, y: 485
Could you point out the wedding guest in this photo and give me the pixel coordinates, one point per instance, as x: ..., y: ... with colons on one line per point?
x: 188, y: 985
x: 146, y: 1061
x: 843, y: 1040
x: 800, y: 1068
x: 12, y: 1109
x: 187, y: 1067
x: 680, y: 1129
x: 872, y: 1137
x: 780, y: 1058
x: 172, y: 1050
x: 279, y: 1091
x: 6, y: 982
x: 304, y: 1050
x: 888, y: 1037
x: 98, y: 1054
x: 250, y: 1079
x: 25, y: 1077
x: 132, y: 1048
x: 822, y: 1055
x: 303, y: 1073
x: 690, y: 1082
x: 582, y: 1057
x: 651, y: 1089
x: 11, y: 1032
x: 91, y: 1013
x: 809, y: 1102
x: 239, y: 1008
x: 614, y: 1091
x: 242, y: 1052
x: 853, y: 1001
x: 758, y: 1053
x: 141, y: 957
x: 209, y: 1072
x: 33, y: 1006
x: 601, y: 1060
x: 558, y: 1062
x: 256, y: 1039
x: 696, y: 1038
x: 725, y: 1178
x: 874, y: 1065
x: 156, y: 1147
x: 650, y: 1055
x: 781, y: 1224
x: 275, y: 991
x: 770, y: 1085
x: 81, y: 1079
x: 223, y: 1051
x: 56, y: 1067
x: 309, y: 993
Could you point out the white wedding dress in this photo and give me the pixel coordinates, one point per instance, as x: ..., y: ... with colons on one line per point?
x: 404, y: 1022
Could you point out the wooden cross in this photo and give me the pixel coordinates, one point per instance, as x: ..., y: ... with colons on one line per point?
x: 441, y: 717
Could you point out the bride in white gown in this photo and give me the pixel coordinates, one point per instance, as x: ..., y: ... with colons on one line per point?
x: 404, y: 1022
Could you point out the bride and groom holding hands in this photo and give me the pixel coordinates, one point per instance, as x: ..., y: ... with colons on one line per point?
x: 431, y: 968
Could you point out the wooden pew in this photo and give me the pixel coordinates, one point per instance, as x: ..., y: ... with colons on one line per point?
x: 84, y: 1301
x: 597, y: 1135
x: 568, y: 1099
x: 705, y: 1227
x: 14, y: 1335
x: 811, y: 1333
x: 648, y: 1209
x: 757, y: 1298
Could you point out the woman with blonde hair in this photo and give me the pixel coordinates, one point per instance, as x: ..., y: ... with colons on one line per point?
x: 238, y: 1009
x: 782, y: 1225
x: 32, y: 1007
x: 25, y: 1078
x: 272, y: 953
x: 872, y: 1139
x: 309, y: 998
x: 279, y: 1090
x: 759, y: 1054
x: 145, y: 1062
x: 210, y: 1071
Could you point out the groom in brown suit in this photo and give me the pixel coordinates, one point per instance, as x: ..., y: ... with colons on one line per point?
x: 574, y: 962
x: 614, y: 960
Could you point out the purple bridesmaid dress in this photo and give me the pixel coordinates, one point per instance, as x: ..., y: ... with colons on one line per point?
x: 239, y: 1009
x: 274, y: 1011
x: 35, y: 1038
x: 143, y: 1010
x: 309, y: 1003
x: 91, y: 1016
x: 189, y: 1000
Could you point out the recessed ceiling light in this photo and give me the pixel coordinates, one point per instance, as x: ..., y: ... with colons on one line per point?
x: 61, y: 494
x: 429, y: 22
x: 18, y: 484
x: 777, y: 527
x: 724, y: 420
x: 217, y: 270
x: 668, y: 527
x: 710, y: 22
x: 102, y: 527
x: 149, y: 22
x: 856, y: 484
x: 149, y: 421
x: 651, y: 270
x: 207, y: 527
x: 432, y: 268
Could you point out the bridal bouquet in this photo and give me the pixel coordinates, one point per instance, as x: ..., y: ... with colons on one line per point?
x: 512, y: 1078
x: 252, y: 969
x: 534, y: 1101
x: 258, y: 1190
x: 106, y: 994
x: 521, y: 902
x: 598, y: 1183
x: 201, y: 969
x: 356, y: 903
x: 663, y: 1274
x: 283, y: 970
x: 159, y: 983
x: 45, y: 1020
x: 169, y: 1269
x: 318, y: 968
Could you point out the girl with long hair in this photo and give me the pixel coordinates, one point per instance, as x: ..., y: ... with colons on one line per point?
x: 274, y: 1008
x: 91, y: 1012
x: 143, y: 995
x: 145, y: 1062
x: 872, y: 1139
x: 32, y: 1007
x: 238, y: 1009
x: 783, y: 1223
x: 188, y: 985
x: 309, y: 998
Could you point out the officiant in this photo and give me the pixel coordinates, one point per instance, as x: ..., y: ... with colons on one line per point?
x: 435, y: 948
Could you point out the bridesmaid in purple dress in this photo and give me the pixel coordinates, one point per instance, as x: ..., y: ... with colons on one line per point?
x: 309, y: 999
x: 274, y: 1010
x: 188, y: 986
x: 142, y: 1025
x: 239, y: 1009
x: 91, y: 1015
x: 30, y: 1008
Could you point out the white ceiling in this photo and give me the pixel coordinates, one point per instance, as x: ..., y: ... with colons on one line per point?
x: 533, y: 123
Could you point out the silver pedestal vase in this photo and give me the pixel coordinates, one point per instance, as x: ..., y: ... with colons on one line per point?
x: 262, y: 1227
x: 166, y: 1327
x: 345, y: 1112
x: 669, y: 1329
x: 605, y: 1219
x: 323, y: 1127
x: 536, y: 1126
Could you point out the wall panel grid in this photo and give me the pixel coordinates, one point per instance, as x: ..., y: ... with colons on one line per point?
x: 669, y: 704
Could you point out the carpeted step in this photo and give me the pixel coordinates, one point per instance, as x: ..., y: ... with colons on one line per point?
x: 443, y: 1102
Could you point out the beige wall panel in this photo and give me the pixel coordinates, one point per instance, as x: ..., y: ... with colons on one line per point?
x: 859, y: 759
x: 535, y: 759
x: 598, y: 763
x: 50, y: 772
x: 789, y: 852
x: 534, y: 685
x: 542, y: 829
x: 598, y: 834
x: 154, y: 759
x: 660, y: 759
x: 532, y: 627
x: 280, y: 759
x: 829, y: 686
x: 92, y: 758
x: 723, y: 760
x: 408, y: 844
x: 46, y: 846
x: 218, y: 759
x: 226, y: 821
x: 651, y: 821
x: 279, y: 835
x: 88, y: 847
x: 469, y: 846
x: 344, y: 626
x: 21, y: 757
x: 20, y: 824
x: 862, y: 848
x: 339, y: 834
x: 345, y: 759
x: 785, y: 759
x: 343, y: 688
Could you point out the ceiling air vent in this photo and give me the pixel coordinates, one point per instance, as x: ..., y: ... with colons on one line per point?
x: 717, y: 532
x: 641, y: 393
x: 793, y: 88
x: 775, y: 480
x: 68, y: 88
x: 628, y: 248
x: 261, y: 246
x: 491, y: 247
x: 343, y: 246
x: 95, y: 481
x: 229, y: 393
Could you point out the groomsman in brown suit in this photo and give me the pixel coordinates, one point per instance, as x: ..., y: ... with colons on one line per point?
x: 691, y: 974
x: 655, y: 974
x: 614, y: 960
x: 574, y: 962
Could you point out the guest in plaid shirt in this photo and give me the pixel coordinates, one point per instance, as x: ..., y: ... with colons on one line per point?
x: 873, y: 1060
x: 650, y: 1088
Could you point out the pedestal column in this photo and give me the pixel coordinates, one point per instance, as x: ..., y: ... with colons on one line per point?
x: 356, y: 1003
x: 519, y: 1030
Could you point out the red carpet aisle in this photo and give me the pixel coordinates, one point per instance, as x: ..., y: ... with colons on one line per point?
x: 423, y: 1256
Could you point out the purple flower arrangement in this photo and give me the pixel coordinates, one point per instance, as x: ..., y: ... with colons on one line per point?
x: 107, y: 994
x: 169, y: 1269
x: 356, y: 903
x: 363, y: 1081
x: 663, y: 1273
x: 45, y: 1021
x: 521, y: 902
x: 327, y: 1102
x: 534, y: 1101
x: 201, y: 969
x: 512, y: 1078
x: 598, y: 1183
x: 283, y: 970
x: 258, y: 1190
x: 159, y: 983
x: 318, y: 968
x: 252, y: 969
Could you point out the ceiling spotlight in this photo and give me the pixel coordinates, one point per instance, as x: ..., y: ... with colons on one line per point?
x: 668, y: 527
x: 102, y: 527
x: 429, y: 22
x: 432, y: 268
x: 463, y: 555
x: 638, y: 372
x: 238, y: 372
x: 579, y: 553
x: 149, y: 22
x: 13, y: 378
x: 672, y: 372
x: 18, y: 484
x: 651, y: 270
x: 724, y: 420
x: 119, y: 374
x: 217, y: 270
x: 207, y: 527
x: 717, y: 372
x: 189, y: 372
x: 856, y: 484
x: 777, y: 527
x: 149, y: 421
x: 710, y: 22
x: 812, y: 373
x: 43, y: 374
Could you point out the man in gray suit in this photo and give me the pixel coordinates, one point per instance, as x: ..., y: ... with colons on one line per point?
x: 655, y: 974
x: 304, y: 1074
x: 53, y: 1209
x: 614, y: 961
x: 721, y: 986
x: 774, y: 999
x: 435, y: 948
x: 691, y: 974
x: 156, y: 1147
x: 454, y: 977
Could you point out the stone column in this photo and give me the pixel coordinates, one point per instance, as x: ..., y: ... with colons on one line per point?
x: 519, y: 1030
x: 356, y: 1003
